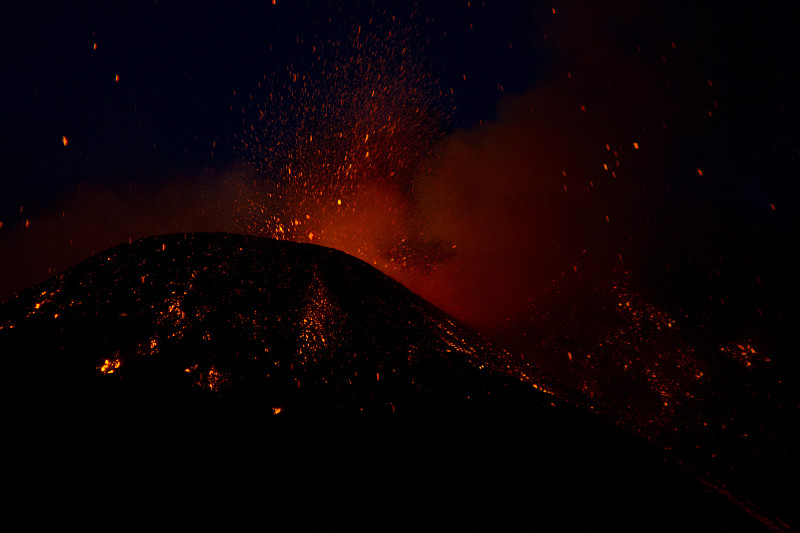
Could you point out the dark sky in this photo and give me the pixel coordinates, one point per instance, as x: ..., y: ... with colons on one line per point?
x: 524, y: 97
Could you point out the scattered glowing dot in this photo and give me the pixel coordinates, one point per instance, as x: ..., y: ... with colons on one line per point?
x: 338, y: 202
x: 310, y: 236
x: 276, y: 410
x: 64, y: 140
x: 27, y: 223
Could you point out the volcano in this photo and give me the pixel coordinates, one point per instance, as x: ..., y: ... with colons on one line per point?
x: 230, y: 382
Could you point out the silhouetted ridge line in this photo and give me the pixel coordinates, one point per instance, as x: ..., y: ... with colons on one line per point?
x: 256, y: 325
x: 232, y: 382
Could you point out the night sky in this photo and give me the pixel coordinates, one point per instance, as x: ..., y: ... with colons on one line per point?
x: 508, y: 161
x: 700, y: 89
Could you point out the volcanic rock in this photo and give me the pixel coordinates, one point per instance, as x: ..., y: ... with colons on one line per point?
x: 231, y: 382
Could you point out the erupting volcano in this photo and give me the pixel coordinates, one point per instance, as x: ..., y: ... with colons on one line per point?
x: 445, y: 245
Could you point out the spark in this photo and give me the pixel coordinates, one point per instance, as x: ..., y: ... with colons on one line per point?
x: 365, y: 89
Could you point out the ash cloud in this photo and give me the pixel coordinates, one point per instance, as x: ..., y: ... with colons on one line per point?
x: 43, y: 241
x: 552, y: 185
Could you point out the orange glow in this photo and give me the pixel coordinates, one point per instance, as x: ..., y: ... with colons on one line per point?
x: 635, y: 146
x: 276, y: 410
x: 64, y: 140
x: 109, y: 366
x: 116, y: 78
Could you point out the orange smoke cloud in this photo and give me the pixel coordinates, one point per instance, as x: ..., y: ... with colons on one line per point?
x: 480, y: 221
x: 507, y: 207
x: 96, y: 217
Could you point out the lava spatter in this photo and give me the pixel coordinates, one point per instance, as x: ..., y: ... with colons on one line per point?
x: 243, y: 352
x: 338, y: 139
x: 240, y: 316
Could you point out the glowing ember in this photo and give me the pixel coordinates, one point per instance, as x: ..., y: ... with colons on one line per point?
x: 342, y: 141
x: 110, y: 366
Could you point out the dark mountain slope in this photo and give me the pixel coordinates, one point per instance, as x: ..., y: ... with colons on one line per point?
x: 224, y: 382
x: 258, y: 325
